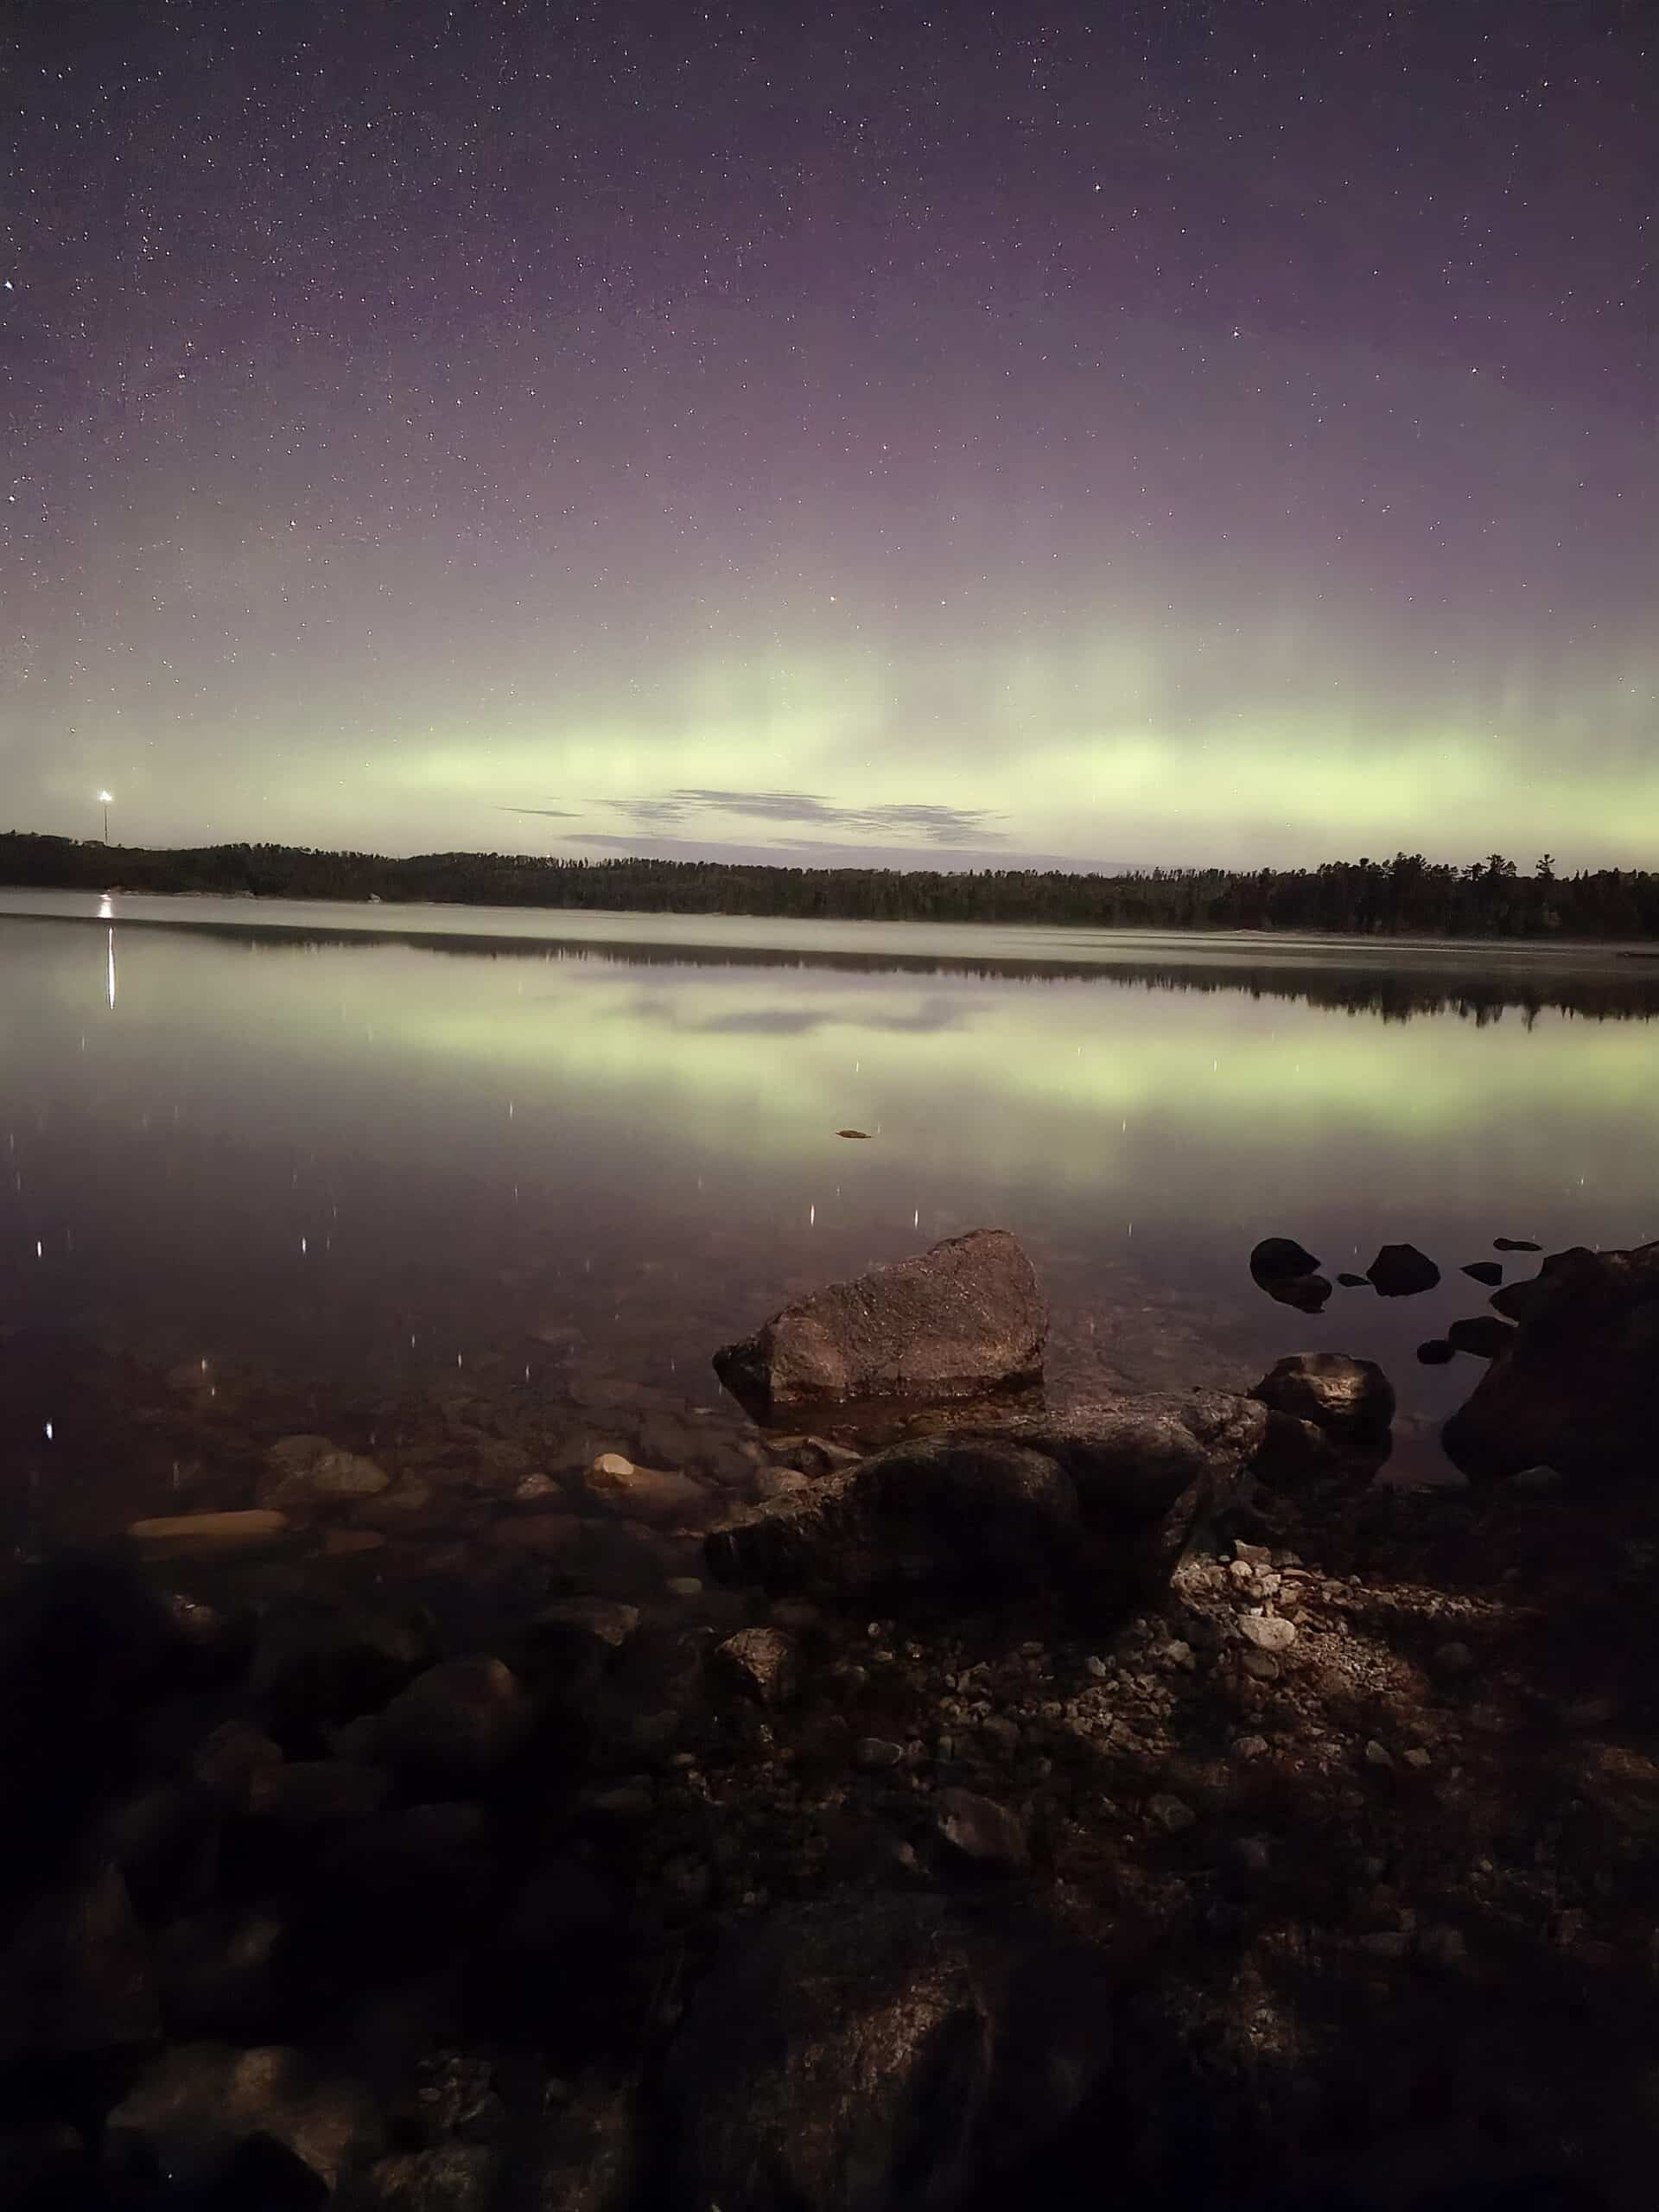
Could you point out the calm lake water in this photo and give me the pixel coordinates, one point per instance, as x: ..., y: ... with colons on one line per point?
x: 271, y: 1168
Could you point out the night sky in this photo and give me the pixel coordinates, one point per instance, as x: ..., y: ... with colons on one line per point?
x: 948, y: 435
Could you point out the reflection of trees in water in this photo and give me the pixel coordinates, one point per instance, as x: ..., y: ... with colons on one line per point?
x: 1629, y: 992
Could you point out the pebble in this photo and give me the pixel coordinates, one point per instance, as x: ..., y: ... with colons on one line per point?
x: 1097, y: 1667
x: 874, y: 1753
x: 796, y: 1615
x: 1172, y: 1815
x: 1419, y: 1758
x: 1454, y: 1659
x: 316, y: 1793
x: 1444, y: 1946
x: 1262, y: 1666
x: 1001, y: 1731
x: 759, y: 1663
x: 226, y: 1761
x: 981, y: 1829
x: 1250, y: 1747
x: 1535, y: 1480
x: 1378, y: 1754
x: 685, y: 1586
x: 1267, y: 1631
x: 1386, y: 1943
x: 628, y: 1803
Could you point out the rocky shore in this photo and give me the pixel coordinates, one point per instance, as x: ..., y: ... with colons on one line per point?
x: 1123, y: 1803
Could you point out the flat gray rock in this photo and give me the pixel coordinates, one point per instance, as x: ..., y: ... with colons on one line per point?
x: 963, y: 1319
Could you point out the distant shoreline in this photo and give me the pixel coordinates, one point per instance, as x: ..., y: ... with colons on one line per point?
x: 1406, y: 901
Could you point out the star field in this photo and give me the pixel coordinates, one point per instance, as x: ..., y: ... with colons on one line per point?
x: 952, y: 434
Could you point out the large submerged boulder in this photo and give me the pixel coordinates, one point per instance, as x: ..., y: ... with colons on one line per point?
x: 1096, y: 1505
x: 1578, y: 1386
x: 965, y: 1318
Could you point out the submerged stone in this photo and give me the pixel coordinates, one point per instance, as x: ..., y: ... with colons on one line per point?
x: 965, y: 1317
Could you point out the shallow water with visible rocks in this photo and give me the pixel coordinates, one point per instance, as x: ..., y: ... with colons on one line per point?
x: 477, y: 1194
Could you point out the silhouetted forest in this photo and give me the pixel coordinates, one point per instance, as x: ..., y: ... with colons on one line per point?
x: 1405, y: 896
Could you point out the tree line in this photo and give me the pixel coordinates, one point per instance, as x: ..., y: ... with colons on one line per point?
x: 1408, y: 895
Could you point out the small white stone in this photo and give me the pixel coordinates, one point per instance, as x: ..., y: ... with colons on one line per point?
x: 1267, y: 1631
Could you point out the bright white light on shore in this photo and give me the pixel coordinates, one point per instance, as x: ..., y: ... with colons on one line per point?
x: 106, y: 798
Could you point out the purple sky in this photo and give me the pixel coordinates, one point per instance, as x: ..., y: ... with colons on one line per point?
x: 950, y: 434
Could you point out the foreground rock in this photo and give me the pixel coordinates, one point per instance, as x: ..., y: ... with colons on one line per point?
x: 882, y: 2052
x: 656, y: 1496
x: 963, y: 1319
x: 1401, y: 1271
x: 457, y: 1722
x: 186, y: 2119
x: 1289, y: 1274
x: 76, y: 1977
x: 252, y: 1525
x: 1481, y: 1334
x: 1351, y: 1397
x: 1281, y: 1258
x: 302, y: 1471
x: 1096, y: 1506
x: 1578, y: 1385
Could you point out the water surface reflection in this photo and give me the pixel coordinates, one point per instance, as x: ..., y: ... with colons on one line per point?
x: 352, y: 1166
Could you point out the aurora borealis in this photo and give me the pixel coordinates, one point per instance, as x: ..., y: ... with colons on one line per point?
x: 958, y: 435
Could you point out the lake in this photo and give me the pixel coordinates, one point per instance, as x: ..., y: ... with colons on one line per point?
x: 420, y: 1177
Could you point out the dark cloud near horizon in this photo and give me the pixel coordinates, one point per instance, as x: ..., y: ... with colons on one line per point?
x: 937, y: 824
x: 805, y: 852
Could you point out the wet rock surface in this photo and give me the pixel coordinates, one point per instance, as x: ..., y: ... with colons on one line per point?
x: 1401, y: 1271
x: 1289, y: 1275
x: 1094, y: 1507
x: 965, y: 1317
x: 1350, y: 1397
x: 1578, y: 1386
x: 1281, y: 1258
x: 1483, y: 1336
